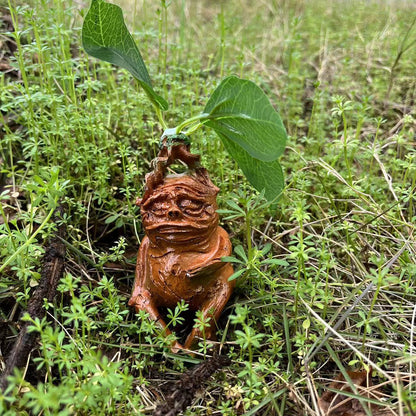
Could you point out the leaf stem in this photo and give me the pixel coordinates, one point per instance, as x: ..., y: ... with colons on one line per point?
x: 160, y: 116
x: 193, y: 129
x: 196, y: 119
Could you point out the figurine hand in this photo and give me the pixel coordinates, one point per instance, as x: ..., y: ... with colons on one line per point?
x: 140, y: 298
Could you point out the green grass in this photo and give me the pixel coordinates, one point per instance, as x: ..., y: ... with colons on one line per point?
x: 72, y: 129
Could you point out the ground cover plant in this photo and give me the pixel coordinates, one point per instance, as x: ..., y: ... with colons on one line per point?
x: 328, y: 286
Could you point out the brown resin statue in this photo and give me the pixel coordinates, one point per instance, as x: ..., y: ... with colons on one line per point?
x: 180, y: 255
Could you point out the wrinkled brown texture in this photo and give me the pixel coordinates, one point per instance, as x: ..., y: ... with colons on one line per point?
x: 180, y: 256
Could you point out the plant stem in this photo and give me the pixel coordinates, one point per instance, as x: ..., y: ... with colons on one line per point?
x: 160, y: 116
x: 248, y: 238
x: 347, y: 161
x: 222, y: 40
x: 402, y: 49
x: 189, y: 121
x: 28, y: 242
x: 6, y: 224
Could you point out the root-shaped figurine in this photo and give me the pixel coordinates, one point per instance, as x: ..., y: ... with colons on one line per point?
x: 180, y: 255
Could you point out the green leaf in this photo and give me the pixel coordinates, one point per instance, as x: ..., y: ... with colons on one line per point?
x: 277, y: 262
x: 236, y: 274
x: 240, y: 251
x: 240, y: 111
x: 231, y: 259
x: 266, y: 249
x: 105, y: 36
x: 267, y: 176
x: 306, y: 323
x: 235, y: 206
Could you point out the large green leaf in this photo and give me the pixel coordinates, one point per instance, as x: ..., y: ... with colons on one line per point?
x: 105, y: 36
x: 267, y: 176
x: 240, y: 111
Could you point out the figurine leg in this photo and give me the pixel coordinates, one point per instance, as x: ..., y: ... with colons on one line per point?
x: 211, y: 310
x: 142, y: 302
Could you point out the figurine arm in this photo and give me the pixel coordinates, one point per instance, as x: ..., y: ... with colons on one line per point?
x: 211, y: 266
x: 141, y: 297
x: 141, y: 272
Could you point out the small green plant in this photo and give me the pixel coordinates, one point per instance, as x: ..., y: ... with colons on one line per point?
x: 18, y: 237
x: 238, y: 110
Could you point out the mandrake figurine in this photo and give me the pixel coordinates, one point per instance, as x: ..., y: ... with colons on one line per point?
x: 180, y: 255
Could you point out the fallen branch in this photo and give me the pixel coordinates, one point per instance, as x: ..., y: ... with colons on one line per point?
x: 187, y: 386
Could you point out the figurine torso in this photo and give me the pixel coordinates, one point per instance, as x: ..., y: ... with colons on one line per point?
x: 189, y: 275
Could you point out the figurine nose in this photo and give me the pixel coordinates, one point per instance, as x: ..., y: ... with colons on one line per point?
x: 174, y: 213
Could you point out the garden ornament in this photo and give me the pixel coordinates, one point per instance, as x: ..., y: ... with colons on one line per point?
x: 180, y: 255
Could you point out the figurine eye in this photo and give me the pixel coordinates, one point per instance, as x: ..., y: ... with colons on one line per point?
x: 159, y: 208
x: 191, y: 206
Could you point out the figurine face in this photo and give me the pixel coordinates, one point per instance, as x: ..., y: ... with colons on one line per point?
x: 181, y: 211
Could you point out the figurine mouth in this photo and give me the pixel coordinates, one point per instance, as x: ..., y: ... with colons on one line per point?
x: 174, y: 228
